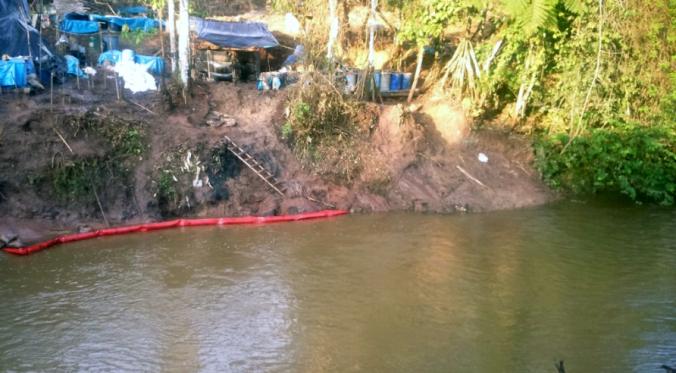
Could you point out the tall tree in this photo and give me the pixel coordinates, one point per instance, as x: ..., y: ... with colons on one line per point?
x: 184, y: 43
x: 171, y: 28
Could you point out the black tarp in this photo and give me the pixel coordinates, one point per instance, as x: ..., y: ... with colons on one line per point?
x: 16, y: 31
x: 237, y: 35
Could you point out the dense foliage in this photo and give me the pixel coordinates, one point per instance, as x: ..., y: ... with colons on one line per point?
x: 591, y: 80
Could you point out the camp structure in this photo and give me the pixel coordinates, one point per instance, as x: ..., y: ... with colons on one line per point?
x: 229, y: 50
x: 17, y: 36
x: 21, y: 46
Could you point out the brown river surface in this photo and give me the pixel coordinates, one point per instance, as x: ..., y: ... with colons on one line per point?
x: 514, y: 291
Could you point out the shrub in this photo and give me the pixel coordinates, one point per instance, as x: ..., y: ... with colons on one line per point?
x: 631, y: 159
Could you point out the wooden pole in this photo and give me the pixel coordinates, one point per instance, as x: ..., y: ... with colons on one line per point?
x: 117, y: 88
x: 51, y: 91
x: 100, y: 39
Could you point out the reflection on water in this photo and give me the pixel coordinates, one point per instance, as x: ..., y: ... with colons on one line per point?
x: 508, y: 292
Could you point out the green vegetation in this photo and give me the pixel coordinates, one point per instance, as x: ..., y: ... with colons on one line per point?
x: 591, y: 81
x: 76, y: 181
x: 136, y: 37
x: 79, y: 179
x: 322, y: 126
x: 627, y: 158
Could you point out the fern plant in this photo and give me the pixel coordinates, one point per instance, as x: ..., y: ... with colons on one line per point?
x: 536, y: 14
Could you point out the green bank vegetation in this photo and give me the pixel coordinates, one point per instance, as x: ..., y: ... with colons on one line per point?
x: 81, y: 179
x: 592, y: 81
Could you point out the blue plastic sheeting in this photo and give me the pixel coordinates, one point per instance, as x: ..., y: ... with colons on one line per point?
x: 73, y: 26
x: 14, y: 73
x: 76, y: 23
x: 11, y: 6
x: 156, y: 64
x: 73, y: 66
x: 134, y: 10
x: 134, y: 24
x: 112, y: 56
x: 237, y: 35
x: 297, y: 55
x: 17, y: 36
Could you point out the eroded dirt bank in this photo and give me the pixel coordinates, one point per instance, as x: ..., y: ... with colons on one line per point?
x: 89, y: 160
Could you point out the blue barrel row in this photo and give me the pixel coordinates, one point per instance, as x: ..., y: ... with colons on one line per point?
x: 392, y: 81
x: 386, y: 81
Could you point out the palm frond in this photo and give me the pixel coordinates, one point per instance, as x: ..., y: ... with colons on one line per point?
x: 575, y: 6
x: 531, y: 14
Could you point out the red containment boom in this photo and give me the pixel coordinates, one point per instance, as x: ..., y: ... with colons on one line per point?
x: 170, y: 224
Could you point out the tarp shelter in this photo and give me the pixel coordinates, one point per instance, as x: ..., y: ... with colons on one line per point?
x: 234, y: 35
x: 82, y: 24
x: 17, y: 36
x: 14, y: 72
x: 75, y: 23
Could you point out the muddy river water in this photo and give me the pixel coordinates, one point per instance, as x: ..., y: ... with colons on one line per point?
x: 514, y: 291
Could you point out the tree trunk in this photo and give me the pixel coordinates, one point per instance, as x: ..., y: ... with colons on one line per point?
x: 333, y: 28
x: 171, y: 29
x: 184, y: 43
x: 161, y: 34
x: 372, y: 33
x: 421, y: 52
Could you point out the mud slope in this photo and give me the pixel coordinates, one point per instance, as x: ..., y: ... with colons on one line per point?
x: 184, y: 168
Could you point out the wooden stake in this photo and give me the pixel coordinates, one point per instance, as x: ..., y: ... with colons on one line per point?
x: 51, y: 91
x: 98, y: 202
x: 117, y: 88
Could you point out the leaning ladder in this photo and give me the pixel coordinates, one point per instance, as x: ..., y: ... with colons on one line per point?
x: 253, y: 164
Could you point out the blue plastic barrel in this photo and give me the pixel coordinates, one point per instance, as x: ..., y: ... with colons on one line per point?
x: 406, y: 81
x: 395, y: 82
x: 376, y: 78
x: 385, y: 78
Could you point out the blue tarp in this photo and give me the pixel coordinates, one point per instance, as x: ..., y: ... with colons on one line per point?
x: 74, y: 26
x: 73, y: 66
x: 16, y: 33
x: 75, y: 23
x: 134, y: 24
x: 237, y: 35
x: 156, y: 64
x: 112, y: 56
x: 14, y: 73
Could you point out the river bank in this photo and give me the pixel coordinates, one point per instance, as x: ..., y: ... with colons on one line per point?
x: 88, y: 161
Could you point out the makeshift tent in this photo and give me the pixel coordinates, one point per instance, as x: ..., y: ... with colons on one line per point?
x: 14, y: 72
x: 75, y: 23
x: 234, y: 35
x: 17, y: 36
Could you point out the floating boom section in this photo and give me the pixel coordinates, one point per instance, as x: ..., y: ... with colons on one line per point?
x: 170, y: 224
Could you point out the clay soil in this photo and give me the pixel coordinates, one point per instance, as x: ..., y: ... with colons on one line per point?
x: 422, y: 160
